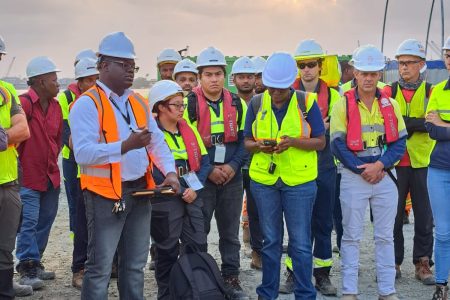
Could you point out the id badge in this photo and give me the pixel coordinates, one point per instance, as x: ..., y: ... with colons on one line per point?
x: 192, y: 181
x: 220, y: 153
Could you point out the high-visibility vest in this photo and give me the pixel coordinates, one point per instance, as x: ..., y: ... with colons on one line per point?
x: 65, y: 99
x: 106, y: 180
x: 419, y: 145
x: 439, y: 99
x: 294, y: 166
x: 8, y: 158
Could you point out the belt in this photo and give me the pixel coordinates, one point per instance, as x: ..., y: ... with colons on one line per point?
x: 134, y: 183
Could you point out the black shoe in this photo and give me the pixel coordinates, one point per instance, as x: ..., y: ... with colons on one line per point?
x: 234, y: 289
x: 44, y: 275
x: 288, y: 286
x: 323, y: 282
x: 28, y: 274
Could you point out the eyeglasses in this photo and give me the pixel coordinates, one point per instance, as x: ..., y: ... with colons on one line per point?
x: 178, y: 106
x: 446, y: 55
x: 407, y: 63
x: 125, y: 66
x: 310, y: 65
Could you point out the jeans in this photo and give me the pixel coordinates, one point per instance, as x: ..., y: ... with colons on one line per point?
x: 70, y: 171
x: 439, y: 190
x: 80, y: 240
x: 337, y: 212
x: 355, y: 195
x: 225, y: 202
x: 256, y: 239
x: 296, y: 204
x: 38, y: 213
x: 127, y: 231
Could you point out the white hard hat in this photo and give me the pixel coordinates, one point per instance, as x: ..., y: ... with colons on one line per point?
x: 368, y: 59
x: 86, y: 67
x: 162, y: 90
x: 186, y: 65
x: 116, y: 44
x: 411, y: 47
x: 308, y: 48
x: 280, y: 71
x: 168, y: 55
x: 41, y: 65
x: 210, y: 57
x: 86, y: 53
x: 259, y: 64
x: 447, y: 44
x: 2, y: 46
x: 243, y: 65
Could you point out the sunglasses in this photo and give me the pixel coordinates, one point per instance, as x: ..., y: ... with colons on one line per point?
x: 310, y: 65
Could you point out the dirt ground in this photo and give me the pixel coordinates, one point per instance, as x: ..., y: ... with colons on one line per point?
x: 58, y: 258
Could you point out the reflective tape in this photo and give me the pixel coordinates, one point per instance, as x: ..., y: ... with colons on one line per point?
x: 95, y: 172
x: 322, y: 263
x: 369, y: 152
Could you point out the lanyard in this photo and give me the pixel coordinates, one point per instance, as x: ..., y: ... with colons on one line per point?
x: 125, y: 117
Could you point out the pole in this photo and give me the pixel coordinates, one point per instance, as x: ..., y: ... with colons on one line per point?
x: 428, y: 29
x: 384, y: 25
x: 442, y: 23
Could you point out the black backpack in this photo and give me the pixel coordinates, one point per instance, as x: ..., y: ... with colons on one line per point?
x: 196, y: 276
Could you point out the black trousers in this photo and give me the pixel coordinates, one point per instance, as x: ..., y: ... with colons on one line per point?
x: 414, y: 180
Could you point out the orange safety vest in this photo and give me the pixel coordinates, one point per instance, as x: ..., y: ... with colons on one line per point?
x: 106, y: 180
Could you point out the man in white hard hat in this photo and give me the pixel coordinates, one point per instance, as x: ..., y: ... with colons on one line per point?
x: 219, y: 117
x: 13, y: 130
x: 114, y: 135
x: 243, y: 72
x: 41, y: 177
x: 86, y: 74
x: 284, y: 129
x: 412, y: 93
x: 85, y: 53
x: 166, y: 61
x: 186, y: 74
x: 368, y: 136
x: 259, y: 64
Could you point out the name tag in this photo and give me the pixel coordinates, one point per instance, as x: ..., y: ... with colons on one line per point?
x: 219, y: 156
x: 192, y: 181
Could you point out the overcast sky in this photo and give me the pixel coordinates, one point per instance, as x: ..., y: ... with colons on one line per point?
x: 60, y: 28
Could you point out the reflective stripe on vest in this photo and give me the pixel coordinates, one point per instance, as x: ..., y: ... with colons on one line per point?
x: 294, y: 166
x: 8, y: 158
x: 106, y: 180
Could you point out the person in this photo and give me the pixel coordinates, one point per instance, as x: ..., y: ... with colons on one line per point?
x: 186, y: 74
x: 259, y: 64
x: 218, y: 115
x: 13, y: 130
x: 183, y: 212
x: 115, y: 142
x: 347, y: 71
x: 309, y: 56
x: 284, y: 130
x: 166, y: 61
x: 368, y: 136
x: 85, y: 53
x: 412, y: 93
x: 244, y: 73
x: 41, y: 177
x: 86, y: 74
x: 438, y: 178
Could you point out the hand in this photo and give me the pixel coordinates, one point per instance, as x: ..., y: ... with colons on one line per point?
x: 284, y: 144
x: 217, y: 176
x: 265, y: 149
x: 434, y: 118
x: 373, y: 172
x: 229, y: 171
x: 136, y: 140
x: 326, y: 123
x: 189, y: 195
x: 172, y: 181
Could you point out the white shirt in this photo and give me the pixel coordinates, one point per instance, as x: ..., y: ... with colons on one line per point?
x: 84, y: 126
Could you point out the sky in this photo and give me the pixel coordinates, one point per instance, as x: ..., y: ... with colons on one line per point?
x: 60, y: 28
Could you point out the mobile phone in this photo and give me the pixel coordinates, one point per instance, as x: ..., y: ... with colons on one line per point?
x: 269, y: 143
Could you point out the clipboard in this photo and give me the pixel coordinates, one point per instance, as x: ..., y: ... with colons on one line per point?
x: 167, y: 190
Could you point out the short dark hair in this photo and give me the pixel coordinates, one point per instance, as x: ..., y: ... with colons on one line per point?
x: 200, y: 69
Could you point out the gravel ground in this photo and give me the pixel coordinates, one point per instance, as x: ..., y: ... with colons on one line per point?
x: 59, y: 254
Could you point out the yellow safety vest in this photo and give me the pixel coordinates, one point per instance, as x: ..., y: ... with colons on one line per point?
x: 8, y: 158
x: 439, y: 101
x: 419, y: 145
x: 63, y: 102
x: 294, y: 166
x: 179, y: 148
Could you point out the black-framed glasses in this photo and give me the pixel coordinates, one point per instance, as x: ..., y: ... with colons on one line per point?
x: 178, y: 106
x: 446, y: 55
x: 126, y: 66
x: 310, y: 65
x: 407, y: 63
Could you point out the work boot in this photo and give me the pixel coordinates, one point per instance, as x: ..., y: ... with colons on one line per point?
x: 398, y: 272
x: 245, y: 233
x: 349, y: 297
x: 233, y: 288
x: 44, y: 275
x: 288, y: 286
x: 256, y: 262
x: 323, y: 283
x: 114, y: 270
x: 152, y: 258
x: 388, y: 297
x: 335, y: 249
x: 6, y: 284
x: 441, y: 292
x: 28, y: 274
x: 423, y: 271
x: 77, y: 279
x: 22, y: 290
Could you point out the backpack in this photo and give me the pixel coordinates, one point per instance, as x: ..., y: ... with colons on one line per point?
x: 196, y: 276
x: 301, y: 99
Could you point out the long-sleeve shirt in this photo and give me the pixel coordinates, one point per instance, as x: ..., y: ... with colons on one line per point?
x: 85, y: 128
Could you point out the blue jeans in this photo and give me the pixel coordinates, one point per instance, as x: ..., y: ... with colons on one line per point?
x: 38, y: 213
x: 296, y: 204
x: 70, y: 171
x: 438, y: 181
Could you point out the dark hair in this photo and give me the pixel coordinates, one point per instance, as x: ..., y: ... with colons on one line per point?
x: 200, y: 69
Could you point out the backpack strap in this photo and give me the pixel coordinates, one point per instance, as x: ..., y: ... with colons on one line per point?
x: 301, y: 99
x: 428, y: 89
x: 394, y: 89
x: 236, y: 101
x: 256, y: 103
x: 219, y: 280
x: 68, y: 96
x: 186, y: 268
